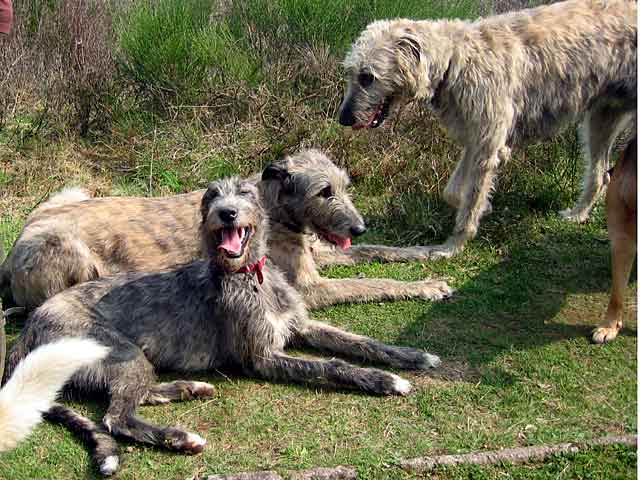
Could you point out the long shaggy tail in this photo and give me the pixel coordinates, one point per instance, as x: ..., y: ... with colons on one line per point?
x: 35, y: 383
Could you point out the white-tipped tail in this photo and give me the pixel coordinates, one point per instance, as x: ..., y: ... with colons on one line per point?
x: 34, y: 385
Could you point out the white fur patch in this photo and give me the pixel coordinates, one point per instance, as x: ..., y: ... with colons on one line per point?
x: 401, y: 386
x: 35, y: 383
x: 110, y: 465
x: 203, y: 388
x: 432, y: 360
x: 195, y: 439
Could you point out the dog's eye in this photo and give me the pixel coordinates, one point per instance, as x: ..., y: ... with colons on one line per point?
x: 365, y: 79
x: 326, y: 192
x: 246, y: 193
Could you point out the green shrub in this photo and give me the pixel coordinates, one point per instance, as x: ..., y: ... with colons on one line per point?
x: 335, y: 23
x: 171, y: 50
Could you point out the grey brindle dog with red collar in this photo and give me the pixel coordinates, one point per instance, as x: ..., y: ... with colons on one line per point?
x: 232, y: 309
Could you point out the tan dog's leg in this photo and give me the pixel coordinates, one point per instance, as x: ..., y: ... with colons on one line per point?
x: 623, y: 251
x: 360, y: 290
x: 622, y: 227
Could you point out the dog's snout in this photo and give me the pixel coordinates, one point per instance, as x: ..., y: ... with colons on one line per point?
x: 228, y: 214
x: 358, y: 230
x: 346, y: 115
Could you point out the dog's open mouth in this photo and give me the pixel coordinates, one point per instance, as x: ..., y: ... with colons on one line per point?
x: 343, y: 242
x: 378, y: 116
x: 233, y: 240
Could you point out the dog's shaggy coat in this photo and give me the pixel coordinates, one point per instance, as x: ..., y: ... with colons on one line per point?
x: 71, y: 238
x: 502, y: 82
x: 229, y: 310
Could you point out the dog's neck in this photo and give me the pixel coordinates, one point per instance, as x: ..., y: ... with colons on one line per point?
x: 255, y: 268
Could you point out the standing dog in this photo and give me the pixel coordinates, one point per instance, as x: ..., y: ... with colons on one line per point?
x: 622, y: 226
x: 72, y: 239
x: 232, y: 309
x: 502, y: 82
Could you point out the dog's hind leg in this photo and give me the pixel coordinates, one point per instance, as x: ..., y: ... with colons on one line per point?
x: 103, y: 447
x: 179, y: 390
x: 129, y: 382
x: 454, y: 191
x: 47, y: 264
x: 359, y: 290
x: 337, y: 373
x: 331, y: 339
x: 598, y: 131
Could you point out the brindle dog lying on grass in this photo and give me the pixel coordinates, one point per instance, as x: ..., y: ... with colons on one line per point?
x: 232, y: 309
x: 71, y: 238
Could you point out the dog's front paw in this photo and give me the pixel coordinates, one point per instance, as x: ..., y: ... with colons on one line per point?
x: 428, y: 360
x: 604, y: 334
x: 574, y: 215
x: 185, y: 442
x: 435, y: 290
x: 399, y: 386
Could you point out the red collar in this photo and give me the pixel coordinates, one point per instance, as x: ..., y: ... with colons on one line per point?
x: 254, y: 267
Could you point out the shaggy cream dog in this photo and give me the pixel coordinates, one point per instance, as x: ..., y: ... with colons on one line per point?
x: 502, y: 82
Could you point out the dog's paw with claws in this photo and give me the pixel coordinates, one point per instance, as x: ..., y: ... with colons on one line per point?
x: 434, y: 290
x: 574, y: 215
x: 604, y: 334
x: 438, y: 252
x: 428, y: 360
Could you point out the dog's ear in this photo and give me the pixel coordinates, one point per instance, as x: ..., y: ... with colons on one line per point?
x: 275, y: 172
x: 410, y: 56
x: 410, y: 47
x: 207, y: 198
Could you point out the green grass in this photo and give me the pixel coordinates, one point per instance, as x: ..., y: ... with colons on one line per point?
x: 336, y: 23
x: 518, y: 368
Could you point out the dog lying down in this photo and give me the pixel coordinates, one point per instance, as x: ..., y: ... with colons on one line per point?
x: 232, y: 309
x: 71, y: 238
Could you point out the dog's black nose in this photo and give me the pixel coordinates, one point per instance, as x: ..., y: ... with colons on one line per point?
x: 358, y: 230
x: 228, y: 214
x: 346, y: 116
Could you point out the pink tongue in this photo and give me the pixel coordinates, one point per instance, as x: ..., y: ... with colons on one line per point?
x: 230, y: 241
x: 343, y: 243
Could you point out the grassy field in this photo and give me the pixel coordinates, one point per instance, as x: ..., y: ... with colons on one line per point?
x: 171, y: 109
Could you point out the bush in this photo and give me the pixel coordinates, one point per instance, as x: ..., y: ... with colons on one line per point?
x: 335, y: 23
x: 59, y: 56
x: 171, y: 49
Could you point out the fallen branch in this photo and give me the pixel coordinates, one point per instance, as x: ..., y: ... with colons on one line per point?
x: 513, y: 455
x: 336, y: 473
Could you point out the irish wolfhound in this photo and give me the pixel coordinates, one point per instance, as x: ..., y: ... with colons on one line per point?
x: 72, y: 239
x: 502, y: 82
x: 233, y: 309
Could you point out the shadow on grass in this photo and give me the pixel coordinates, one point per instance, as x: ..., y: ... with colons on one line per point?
x: 513, y: 281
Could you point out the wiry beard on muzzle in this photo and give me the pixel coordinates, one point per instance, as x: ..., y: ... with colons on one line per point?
x: 363, y: 110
